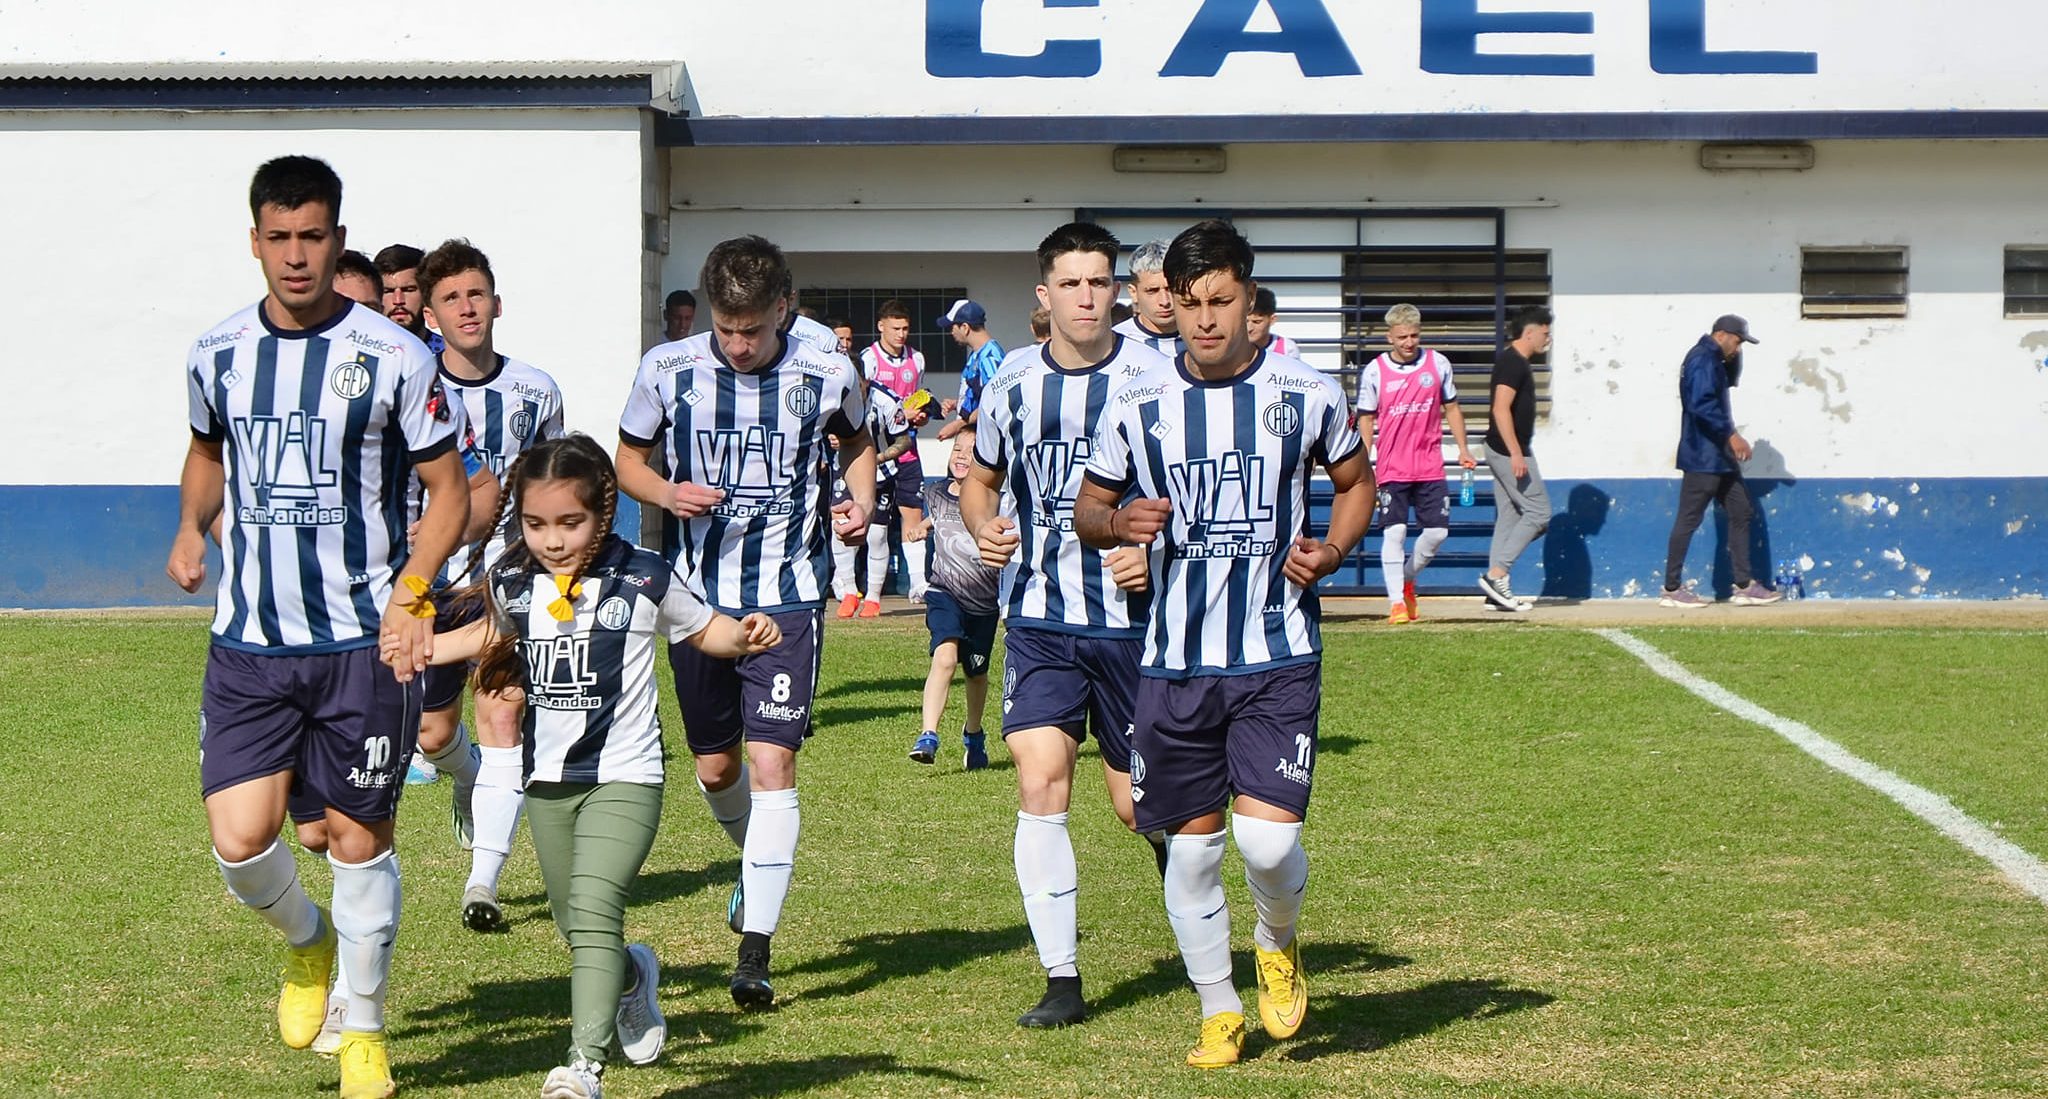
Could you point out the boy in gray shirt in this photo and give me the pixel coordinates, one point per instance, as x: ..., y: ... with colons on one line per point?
x: 959, y: 610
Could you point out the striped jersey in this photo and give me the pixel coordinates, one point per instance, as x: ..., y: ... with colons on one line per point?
x: 319, y: 429
x: 759, y: 437
x: 812, y: 333
x: 510, y: 409
x: 887, y: 423
x: 1407, y: 403
x: 1134, y: 329
x: 1235, y: 458
x: 1038, y: 422
x: 1281, y: 345
x: 590, y: 694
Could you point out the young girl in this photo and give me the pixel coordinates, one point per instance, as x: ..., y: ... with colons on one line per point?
x: 959, y: 610
x: 575, y: 614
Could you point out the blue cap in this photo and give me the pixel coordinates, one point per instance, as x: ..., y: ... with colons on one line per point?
x: 965, y: 312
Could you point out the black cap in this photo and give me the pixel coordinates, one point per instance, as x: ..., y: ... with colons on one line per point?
x: 1735, y: 326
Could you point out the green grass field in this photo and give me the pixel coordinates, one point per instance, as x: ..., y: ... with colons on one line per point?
x: 1537, y: 870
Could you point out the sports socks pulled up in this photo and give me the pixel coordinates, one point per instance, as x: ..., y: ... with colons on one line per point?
x: 1050, y: 882
x: 500, y: 796
x: 269, y: 884
x: 1276, y: 870
x: 768, y: 857
x: 366, y: 903
x: 1200, y: 917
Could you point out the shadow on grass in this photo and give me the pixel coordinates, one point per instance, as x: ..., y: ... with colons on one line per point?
x: 1375, y: 1020
x: 663, y: 885
x: 1168, y: 975
x: 897, y: 686
x: 1340, y: 744
x: 894, y: 955
x: 756, y: 1079
x: 514, y: 1029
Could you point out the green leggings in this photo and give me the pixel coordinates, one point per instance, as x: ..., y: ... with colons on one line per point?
x: 590, y: 841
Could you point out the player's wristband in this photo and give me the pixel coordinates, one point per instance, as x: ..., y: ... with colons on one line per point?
x: 421, y: 605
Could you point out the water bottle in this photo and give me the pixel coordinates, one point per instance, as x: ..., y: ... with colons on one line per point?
x: 1798, y: 583
x: 1783, y: 581
x: 1465, y: 490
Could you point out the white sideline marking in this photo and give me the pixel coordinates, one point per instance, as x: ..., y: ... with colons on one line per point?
x: 2023, y: 869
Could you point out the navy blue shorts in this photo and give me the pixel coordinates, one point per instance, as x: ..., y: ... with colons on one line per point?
x: 1074, y: 684
x: 949, y: 621
x: 339, y: 722
x: 1431, y: 501
x: 766, y: 697
x: 444, y: 682
x: 906, y: 490
x: 1203, y: 739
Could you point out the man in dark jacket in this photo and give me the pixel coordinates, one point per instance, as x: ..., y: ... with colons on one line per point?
x: 1709, y: 450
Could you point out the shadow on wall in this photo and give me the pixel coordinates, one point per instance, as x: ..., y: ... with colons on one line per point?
x: 1567, y: 549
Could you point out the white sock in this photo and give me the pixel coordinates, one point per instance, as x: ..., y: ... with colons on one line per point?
x: 913, y: 558
x: 1276, y: 869
x: 269, y: 883
x: 1426, y: 544
x: 366, y: 918
x: 845, y: 570
x: 1049, y: 880
x: 1200, y: 917
x: 769, y: 858
x: 1393, y: 562
x: 456, y: 758
x: 732, y: 806
x: 878, y: 558
x: 500, y: 796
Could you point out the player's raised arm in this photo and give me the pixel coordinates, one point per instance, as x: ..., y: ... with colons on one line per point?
x: 201, y: 488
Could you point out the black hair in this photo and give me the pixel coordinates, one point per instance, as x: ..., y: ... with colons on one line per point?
x: 1077, y: 236
x: 836, y: 323
x: 676, y: 298
x: 745, y: 275
x: 452, y: 258
x: 893, y: 309
x: 1526, y: 317
x: 290, y: 182
x: 1204, y: 249
x: 355, y: 263
x: 393, y: 258
x: 1264, y: 304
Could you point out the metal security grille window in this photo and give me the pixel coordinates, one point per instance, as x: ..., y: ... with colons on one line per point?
x: 2026, y: 280
x: 1459, y: 291
x: 1864, y: 282
x: 858, y: 306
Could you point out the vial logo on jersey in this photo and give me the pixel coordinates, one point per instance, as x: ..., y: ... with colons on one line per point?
x: 559, y: 675
x: 1038, y: 425
x: 1234, y: 458
x: 751, y: 467
x: 285, y: 463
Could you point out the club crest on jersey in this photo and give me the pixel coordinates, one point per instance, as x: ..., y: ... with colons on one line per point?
x: 802, y: 402
x: 1426, y: 380
x: 1282, y: 419
x: 1137, y: 767
x: 613, y: 613
x: 350, y: 379
x: 521, y: 424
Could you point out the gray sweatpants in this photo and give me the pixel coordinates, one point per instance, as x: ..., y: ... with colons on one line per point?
x: 1521, y: 509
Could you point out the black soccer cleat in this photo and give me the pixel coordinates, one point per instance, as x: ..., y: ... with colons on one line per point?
x: 1061, y: 1006
x: 750, y: 987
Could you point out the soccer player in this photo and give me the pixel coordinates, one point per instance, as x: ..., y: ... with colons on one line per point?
x: 1218, y: 449
x: 306, y: 410
x: 968, y: 322
x: 571, y: 615
x: 1264, y: 307
x: 510, y: 406
x: 889, y: 426
x: 356, y: 279
x: 1041, y: 325
x: 743, y: 412
x: 891, y: 363
x: 679, y: 314
x: 1407, y: 393
x: 398, y: 265
x: 1521, y: 503
x: 1071, y: 651
x: 1152, y: 318
x: 842, y: 331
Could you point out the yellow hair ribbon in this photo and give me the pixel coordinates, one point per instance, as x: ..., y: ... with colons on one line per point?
x: 564, y: 608
x: 420, y: 606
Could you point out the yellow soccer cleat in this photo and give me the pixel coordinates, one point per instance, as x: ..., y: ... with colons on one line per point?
x: 1283, y: 991
x: 1400, y: 615
x: 365, y: 1066
x: 302, y: 1005
x: 1222, y: 1041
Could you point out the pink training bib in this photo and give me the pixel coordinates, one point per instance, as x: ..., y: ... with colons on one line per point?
x: 1410, y: 420
x: 899, y: 376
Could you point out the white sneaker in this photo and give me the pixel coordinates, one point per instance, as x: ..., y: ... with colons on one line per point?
x: 328, y: 1042
x: 578, y: 1079
x: 641, y: 1027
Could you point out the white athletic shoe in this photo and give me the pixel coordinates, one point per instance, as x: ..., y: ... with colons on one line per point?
x: 328, y: 1042
x: 641, y: 1027
x: 578, y: 1079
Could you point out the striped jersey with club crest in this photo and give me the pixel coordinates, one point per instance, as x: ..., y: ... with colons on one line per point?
x: 319, y: 430
x: 759, y: 437
x: 509, y: 410
x: 1134, y: 329
x: 590, y: 681
x: 1038, y: 423
x: 1234, y: 457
